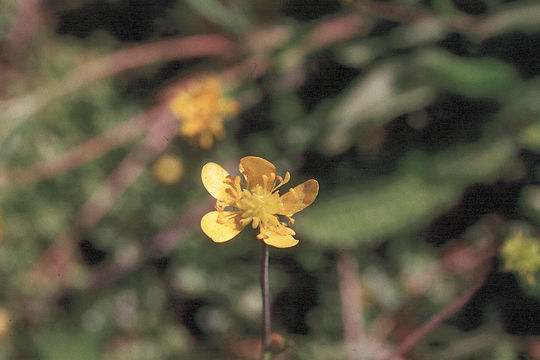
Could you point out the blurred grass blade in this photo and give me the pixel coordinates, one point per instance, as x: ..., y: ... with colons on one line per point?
x: 516, y: 17
x: 425, y: 31
x: 217, y: 13
x: 487, y: 78
x: 361, y: 52
x: 374, y: 98
x: 467, y: 164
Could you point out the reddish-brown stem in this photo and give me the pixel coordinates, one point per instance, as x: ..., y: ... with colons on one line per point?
x: 410, y: 341
x: 335, y: 30
x: 119, y: 61
x: 138, y: 56
x: 57, y: 258
x: 81, y: 154
x: 24, y: 28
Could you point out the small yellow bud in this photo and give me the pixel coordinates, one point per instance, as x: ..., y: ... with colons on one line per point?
x: 168, y: 169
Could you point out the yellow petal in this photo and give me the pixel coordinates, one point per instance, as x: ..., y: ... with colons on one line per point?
x: 221, y: 232
x: 253, y: 168
x: 280, y: 241
x: 213, y: 178
x: 299, y: 197
x: 280, y: 236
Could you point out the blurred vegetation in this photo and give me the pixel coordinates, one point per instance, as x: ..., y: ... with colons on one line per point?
x: 419, y: 118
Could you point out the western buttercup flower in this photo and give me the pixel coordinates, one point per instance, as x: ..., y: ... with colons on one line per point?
x: 258, y: 202
x: 201, y: 107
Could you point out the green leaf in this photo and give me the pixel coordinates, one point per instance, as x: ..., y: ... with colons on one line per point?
x: 65, y: 342
x: 352, y: 216
x: 375, y: 98
x: 217, y: 13
x: 360, y: 53
x: 421, y: 32
x: 471, y: 163
x: 444, y: 7
x: 515, y: 17
x: 422, y: 188
x: 472, y: 77
x: 530, y: 137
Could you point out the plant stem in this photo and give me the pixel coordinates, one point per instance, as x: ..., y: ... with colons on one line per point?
x: 408, y: 343
x: 350, y: 293
x: 265, y: 333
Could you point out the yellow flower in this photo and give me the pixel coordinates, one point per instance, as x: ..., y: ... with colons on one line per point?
x: 521, y: 254
x: 258, y: 203
x: 168, y: 169
x: 201, y: 107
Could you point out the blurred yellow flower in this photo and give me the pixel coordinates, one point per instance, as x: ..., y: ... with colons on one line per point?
x: 201, y: 107
x: 521, y: 254
x: 168, y: 169
x: 259, y: 203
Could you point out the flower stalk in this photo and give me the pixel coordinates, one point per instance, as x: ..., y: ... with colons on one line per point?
x: 266, y: 327
x: 256, y: 202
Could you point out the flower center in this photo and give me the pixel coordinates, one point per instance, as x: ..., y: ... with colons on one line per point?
x: 259, y: 205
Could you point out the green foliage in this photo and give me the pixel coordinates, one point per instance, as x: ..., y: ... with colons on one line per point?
x: 412, y: 115
x: 375, y: 98
x: 404, y: 202
x: 67, y: 343
x: 228, y: 17
x: 7, y: 10
x: 471, y: 77
x: 352, y: 216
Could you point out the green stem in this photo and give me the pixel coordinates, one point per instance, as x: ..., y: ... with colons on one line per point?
x: 265, y: 335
